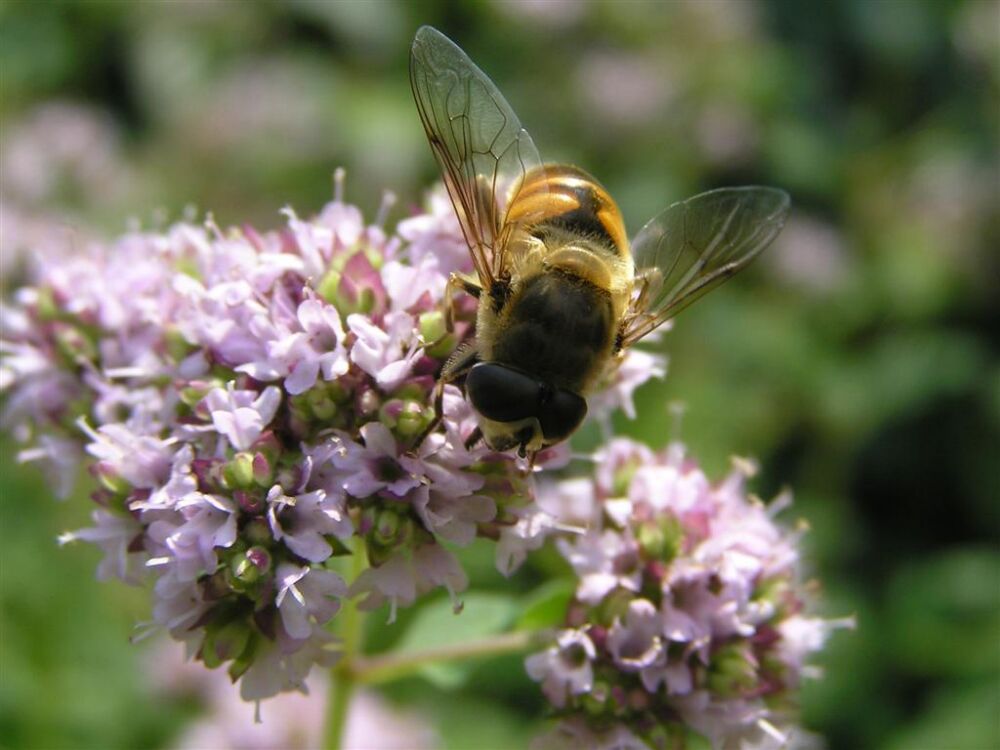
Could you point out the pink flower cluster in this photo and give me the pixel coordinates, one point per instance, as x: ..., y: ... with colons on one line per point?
x: 688, y: 612
x: 249, y: 404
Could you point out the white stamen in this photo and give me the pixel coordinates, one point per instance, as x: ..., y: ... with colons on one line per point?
x: 676, y: 411
x: 339, y: 174
x: 388, y: 201
x: 212, y: 227
x: 769, y: 728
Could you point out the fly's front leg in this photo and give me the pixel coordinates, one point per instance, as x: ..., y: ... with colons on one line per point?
x: 457, y: 366
x: 456, y: 282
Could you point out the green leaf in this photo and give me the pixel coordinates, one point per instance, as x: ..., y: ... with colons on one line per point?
x: 545, y: 607
x: 436, y: 625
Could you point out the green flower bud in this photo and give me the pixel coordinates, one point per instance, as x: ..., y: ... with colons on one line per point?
x: 46, y: 307
x: 73, y: 344
x: 263, y: 475
x: 257, y: 531
x: 299, y: 407
x: 328, y: 285
x: 178, y: 347
x: 595, y: 702
x: 614, y: 606
x: 320, y: 404
x: 188, y: 267
x: 251, y: 565
x: 192, y: 395
x: 413, y: 419
x: 410, y: 392
x: 432, y: 327
x: 622, y: 479
x: 387, y: 525
x: 651, y: 540
x: 732, y: 670
x: 238, y: 473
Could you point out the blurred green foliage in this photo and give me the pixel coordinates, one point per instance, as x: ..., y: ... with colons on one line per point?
x: 857, y: 360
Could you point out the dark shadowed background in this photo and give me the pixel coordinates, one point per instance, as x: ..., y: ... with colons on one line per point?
x: 857, y: 360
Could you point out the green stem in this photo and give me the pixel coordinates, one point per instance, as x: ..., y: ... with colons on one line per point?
x: 342, y: 676
x: 341, y: 692
x: 388, y: 667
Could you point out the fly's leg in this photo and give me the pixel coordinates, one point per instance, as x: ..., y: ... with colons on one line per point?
x: 456, y: 282
x: 474, y: 437
x: 648, y: 284
x: 457, y: 366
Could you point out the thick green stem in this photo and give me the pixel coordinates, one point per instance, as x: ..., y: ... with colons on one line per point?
x: 341, y: 692
x: 342, y: 676
x: 388, y: 667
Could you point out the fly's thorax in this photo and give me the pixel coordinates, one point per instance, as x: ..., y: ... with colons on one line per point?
x: 556, y: 325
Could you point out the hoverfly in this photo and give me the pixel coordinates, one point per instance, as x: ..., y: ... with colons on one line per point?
x: 561, y: 292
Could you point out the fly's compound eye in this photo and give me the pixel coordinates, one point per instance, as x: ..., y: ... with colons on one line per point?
x: 502, y: 394
x: 561, y: 414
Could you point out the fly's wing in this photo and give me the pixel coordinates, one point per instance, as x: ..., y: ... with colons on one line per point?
x: 695, y: 245
x: 483, y: 151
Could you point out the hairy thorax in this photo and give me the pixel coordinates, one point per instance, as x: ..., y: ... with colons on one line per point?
x: 554, y: 325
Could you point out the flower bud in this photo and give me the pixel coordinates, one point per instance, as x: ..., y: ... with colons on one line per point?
x: 595, y: 702
x: 263, y: 476
x: 266, y: 448
x: 192, y: 394
x: 389, y: 413
x: 238, y: 473
x: 257, y: 531
x: 614, y: 606
x: 387, y: 525
x: 369, y: 403
x: 46, y: 307
x: 73, y: 344
x: 432, y: 325
x: 251, y: 565
x: 327, y: 287
x: 320, y: 404
x: 413, y: 419
x: 651, y: 539
x: 732, y: 670
x: 177, y: 346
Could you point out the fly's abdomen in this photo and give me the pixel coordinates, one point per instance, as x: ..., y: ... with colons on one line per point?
x: 568, y: 200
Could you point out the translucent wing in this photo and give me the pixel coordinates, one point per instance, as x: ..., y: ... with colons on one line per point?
x: 477, y: 139
x: 695, y: 245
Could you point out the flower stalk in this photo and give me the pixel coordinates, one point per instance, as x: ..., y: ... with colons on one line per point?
x: 343, y: 676
x: 380, y: 669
